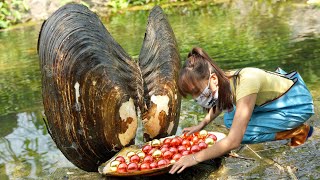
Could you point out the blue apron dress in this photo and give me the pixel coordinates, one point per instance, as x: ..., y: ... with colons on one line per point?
x: 286, y: 112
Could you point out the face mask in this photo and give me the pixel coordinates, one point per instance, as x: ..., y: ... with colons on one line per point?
x: 206, y: 99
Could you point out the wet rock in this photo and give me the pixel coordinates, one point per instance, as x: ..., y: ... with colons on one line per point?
x: 41, y: 9
x: 305, y: 23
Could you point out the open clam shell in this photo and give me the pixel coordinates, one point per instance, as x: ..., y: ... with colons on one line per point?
x: 92, y: 89
x: 159, y: 63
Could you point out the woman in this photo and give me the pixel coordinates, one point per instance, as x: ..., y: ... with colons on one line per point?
x: 258, y: 105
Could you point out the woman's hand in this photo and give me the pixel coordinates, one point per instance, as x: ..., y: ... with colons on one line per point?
x: 240, y: 122
x: 207, y: 119
x: 193, y: 129
x: 183, y: 163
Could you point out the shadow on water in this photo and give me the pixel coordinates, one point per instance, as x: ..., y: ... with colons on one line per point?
x: 264, y: 34
x: 8, y: 124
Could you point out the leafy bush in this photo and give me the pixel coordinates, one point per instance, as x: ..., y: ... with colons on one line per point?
x: 10, y: 12
x: 120, y: 4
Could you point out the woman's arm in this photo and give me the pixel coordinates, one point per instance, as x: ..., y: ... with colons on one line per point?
x: 241, y: 119
x: 210, y: 116
x: 207, y: 119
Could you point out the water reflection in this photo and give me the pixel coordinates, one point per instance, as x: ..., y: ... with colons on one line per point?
x: 29, y: 151
x: 264, y: 34
x: 19, y: 71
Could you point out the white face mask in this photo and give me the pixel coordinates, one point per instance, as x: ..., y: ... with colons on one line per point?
x: 206, y: 99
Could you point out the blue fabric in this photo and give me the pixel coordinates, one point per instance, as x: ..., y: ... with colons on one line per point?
x: 286, y: 112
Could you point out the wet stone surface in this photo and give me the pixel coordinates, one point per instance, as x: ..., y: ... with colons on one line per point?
x: 263, y: 34
x: 271, y: 160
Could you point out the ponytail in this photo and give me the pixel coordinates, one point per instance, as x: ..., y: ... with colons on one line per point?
x: 198, y: 67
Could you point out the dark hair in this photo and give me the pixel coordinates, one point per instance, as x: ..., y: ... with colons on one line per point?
x: 195, y: 69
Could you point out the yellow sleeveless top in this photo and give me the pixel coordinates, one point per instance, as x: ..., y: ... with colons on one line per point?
x: 267, y: 85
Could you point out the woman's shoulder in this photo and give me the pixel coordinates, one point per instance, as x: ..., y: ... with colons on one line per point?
x: 244, y: 71
x: 251, y: 70
x: 247, y: 72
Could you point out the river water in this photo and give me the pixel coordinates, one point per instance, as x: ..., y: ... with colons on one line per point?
x: 263, y: 34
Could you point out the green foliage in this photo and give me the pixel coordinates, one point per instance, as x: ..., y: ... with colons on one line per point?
x: 314, y: 3
x: 10, y: 12
x: 63, y: 2
x: 118, y: 4
x: 121, y: 4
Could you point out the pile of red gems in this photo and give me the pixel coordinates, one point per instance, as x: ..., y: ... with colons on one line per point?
x: 160, y: 153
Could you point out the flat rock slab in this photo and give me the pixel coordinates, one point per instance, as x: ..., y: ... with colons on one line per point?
x: 272, y: 160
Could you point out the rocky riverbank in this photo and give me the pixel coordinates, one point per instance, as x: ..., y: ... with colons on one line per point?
x: 41, y: 9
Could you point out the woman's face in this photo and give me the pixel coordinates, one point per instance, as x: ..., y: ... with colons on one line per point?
x: 208, y: 95
x: 213, y: 86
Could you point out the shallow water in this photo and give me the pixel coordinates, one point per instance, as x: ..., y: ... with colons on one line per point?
x: 238, y: 34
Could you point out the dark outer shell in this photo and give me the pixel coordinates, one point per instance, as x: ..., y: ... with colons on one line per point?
x: 159, y: 62
x: 89, y: 87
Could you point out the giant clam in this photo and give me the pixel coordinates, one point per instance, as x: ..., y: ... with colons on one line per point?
x: 93, y: 91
